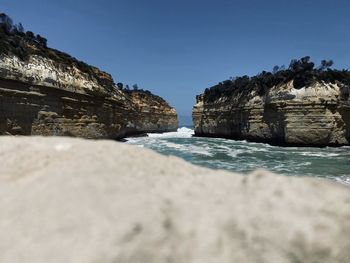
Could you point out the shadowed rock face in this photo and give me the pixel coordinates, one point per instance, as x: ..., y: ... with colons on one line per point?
x: 116, y: 203
x: 43, y: 97
x: 316, y: 115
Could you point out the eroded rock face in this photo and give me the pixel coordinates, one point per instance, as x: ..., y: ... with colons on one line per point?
x: 153, y: 114
x: 43, y: 97
x: 49, y: 73
x: 317, y: 115
x: 73, y: 200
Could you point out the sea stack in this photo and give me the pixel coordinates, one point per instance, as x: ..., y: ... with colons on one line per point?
x: 300, y: 106
x: 47, y: 92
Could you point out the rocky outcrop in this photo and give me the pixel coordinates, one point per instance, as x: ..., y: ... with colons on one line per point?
x: 118, y: 203
x: 315, y: 115
x: 43, y: 96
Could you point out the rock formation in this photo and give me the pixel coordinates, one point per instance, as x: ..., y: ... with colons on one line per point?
x: 315, y: 114
x: 47, y: 92
x: 114, y: 202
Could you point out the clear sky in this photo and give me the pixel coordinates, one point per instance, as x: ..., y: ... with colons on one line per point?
x: 177, y: 48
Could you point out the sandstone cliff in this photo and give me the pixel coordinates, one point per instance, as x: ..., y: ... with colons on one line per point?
x: 116, y: 203
x: 317, y: 113
x: 47, y: 92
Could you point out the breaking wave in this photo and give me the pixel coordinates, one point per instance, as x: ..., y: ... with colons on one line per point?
x: 243, y: 156
x: 180, y: 133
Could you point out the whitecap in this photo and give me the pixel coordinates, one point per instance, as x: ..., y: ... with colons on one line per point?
x: 256, y: 149
x: 304, y: 164
x: 234, y: 153
x: 223, y: 147
x: 174, y: 146
x: 312, y: 154
x: 132, y: 140
x: 200, y: 150
x: 182, y: 132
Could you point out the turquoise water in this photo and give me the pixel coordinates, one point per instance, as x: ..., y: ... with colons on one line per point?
x: 244, y: 157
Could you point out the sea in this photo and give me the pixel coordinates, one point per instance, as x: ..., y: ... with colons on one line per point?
x: 244, y: 157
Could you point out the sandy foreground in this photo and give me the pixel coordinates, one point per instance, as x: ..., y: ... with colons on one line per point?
x: 83, y: 201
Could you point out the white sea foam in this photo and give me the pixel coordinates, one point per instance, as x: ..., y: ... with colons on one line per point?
x: 344, y: 180
x: 256, y: 149
x: 132, y: 140
x: 188, y: 148
x: 319, y: 154
x: 305, y: 164
x: 223, y: 147
x: 280, y: 167
x: 200, y: 150
x: 176, y: 146
x: 235, y: 152
x: 243, y: 156
x: 180, y: 133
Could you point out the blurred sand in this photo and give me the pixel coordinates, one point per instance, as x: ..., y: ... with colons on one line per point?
x: 83, y: 201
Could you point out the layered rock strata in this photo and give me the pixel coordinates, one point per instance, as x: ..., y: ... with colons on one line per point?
x: 43, y: 97
x: 316, y: 115
x: 114, y: 202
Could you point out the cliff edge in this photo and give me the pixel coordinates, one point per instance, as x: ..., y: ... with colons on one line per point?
x: 298, y: 106
x: 44, y: 91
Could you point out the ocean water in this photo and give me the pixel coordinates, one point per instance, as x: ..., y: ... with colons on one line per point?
x: 244, y: 157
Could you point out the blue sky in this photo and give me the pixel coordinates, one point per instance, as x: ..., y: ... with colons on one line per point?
x: 178, y: 48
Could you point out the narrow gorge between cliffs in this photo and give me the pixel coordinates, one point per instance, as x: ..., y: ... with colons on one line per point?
x: 46, y: 92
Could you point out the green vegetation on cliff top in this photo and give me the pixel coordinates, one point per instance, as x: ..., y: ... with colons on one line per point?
x: 15, y: 41
x: 302, y: 72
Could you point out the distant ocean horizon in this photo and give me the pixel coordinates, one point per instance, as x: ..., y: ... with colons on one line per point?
x: 244, y: 157
x: 185, y: 120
